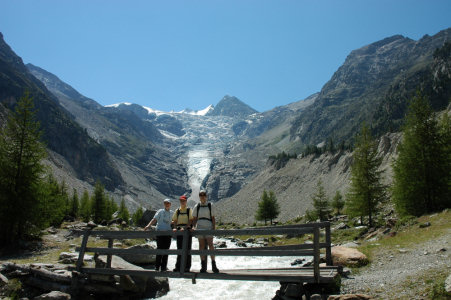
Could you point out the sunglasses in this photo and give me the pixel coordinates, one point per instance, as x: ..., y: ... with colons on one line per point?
x: 202, y: 195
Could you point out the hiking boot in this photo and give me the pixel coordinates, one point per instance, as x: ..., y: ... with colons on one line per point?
x: 213, y: 267
x: 204, y: 266
x: 176, y: 270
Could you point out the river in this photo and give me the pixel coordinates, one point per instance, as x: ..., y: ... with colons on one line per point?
x: 199, y: 159
x: 210, y: 289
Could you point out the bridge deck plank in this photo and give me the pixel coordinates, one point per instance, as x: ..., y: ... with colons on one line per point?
x: 327, y: 274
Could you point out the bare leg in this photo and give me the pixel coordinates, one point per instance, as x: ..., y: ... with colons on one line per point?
x: 211, y: 246
x: 202, y: 247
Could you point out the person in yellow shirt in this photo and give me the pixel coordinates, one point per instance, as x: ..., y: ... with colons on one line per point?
x: 182, y: 220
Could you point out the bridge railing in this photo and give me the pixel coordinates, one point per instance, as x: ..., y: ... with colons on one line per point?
x: 305, y: 249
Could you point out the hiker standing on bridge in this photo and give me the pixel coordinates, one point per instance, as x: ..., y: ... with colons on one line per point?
x: 163, y: 220
x: 204, y: 219
x: 182, y: 220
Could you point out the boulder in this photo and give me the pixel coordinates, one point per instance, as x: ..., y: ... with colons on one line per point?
x: 54, y: 295
x: 140, y: 259
x: 350, y: 297
x: 343, y: 256
x: 3, y: 280
x: 72, y: 257
x: 149, y: 286
x: 448, y: 284
x: 351, y: 245
x: 91, y: 224
x: 220, y: 244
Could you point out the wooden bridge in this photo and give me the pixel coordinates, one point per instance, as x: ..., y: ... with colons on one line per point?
x: 315, y: 274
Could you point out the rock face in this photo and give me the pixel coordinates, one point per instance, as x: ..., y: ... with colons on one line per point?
x: 232, y: 107
x: 342, y: 256
x: 373, y: 85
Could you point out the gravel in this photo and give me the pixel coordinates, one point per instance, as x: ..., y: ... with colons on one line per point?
x: 391, y: 270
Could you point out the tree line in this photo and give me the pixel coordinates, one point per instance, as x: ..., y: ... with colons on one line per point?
x: 30, y: 197
x: 421, y: 180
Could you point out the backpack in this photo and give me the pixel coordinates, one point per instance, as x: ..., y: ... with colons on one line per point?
x: 179, y: 213
x: 209, y: 208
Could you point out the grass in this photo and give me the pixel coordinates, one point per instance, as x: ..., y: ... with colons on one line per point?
x: 411, y: 235
x: 429, y: 284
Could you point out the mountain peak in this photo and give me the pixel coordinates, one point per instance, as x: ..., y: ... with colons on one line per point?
x: 232, y: 107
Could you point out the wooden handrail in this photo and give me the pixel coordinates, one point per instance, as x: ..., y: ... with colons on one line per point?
x: 312, y: 249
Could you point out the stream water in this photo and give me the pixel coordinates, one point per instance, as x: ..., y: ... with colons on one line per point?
x: 226, y: 289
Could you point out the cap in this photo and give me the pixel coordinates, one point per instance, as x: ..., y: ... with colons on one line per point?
x: 202, y: 192
x: 183, y: 197
x: 167, y: 200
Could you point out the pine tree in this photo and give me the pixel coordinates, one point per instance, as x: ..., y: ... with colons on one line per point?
x: 85, y: 206
x: 123, y: 211
x: 320, y: 202
x: 75, y: 205
x: 268, y: 208
x: 274, y: 208
x: 366, y: 190
x: 53, y: 203
x: 99, y: 203
x: 338, y: 202
x: 21, y: 169
x: 137, y: 216
x: 422, y: 169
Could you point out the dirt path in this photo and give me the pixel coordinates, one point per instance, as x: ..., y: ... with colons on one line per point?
x: 401, y: 273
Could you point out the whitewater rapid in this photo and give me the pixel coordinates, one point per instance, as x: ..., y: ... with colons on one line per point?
x: 209, y: 289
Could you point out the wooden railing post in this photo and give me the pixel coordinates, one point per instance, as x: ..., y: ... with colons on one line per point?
x: 316, y: 253
x: 184, y: 251
x: 81, y: 254
x: 110, y: 256
x: 328, y: 246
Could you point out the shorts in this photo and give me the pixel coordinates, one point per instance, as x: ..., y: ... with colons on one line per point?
x: 204, y: 226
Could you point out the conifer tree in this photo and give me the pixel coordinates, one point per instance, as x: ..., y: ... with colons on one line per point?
x: 123, y: 211
x: 268, y: 208
x: 85, y: 206
x: 52, y: 204
x: 137, y: 215
x: 366, y: 190
x: 75, y: 205
x: 21, y: 169
x: 320, y: 202
x: 422, y: 169
x: 338, y: 202
x: 99, y: 203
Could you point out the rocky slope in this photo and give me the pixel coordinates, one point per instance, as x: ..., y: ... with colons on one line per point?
x: 88, y: 160
x: 135, y: 144
x: 295, y: 183
x: 358, y: 91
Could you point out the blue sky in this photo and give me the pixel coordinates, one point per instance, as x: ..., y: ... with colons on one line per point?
x: 172, y: 54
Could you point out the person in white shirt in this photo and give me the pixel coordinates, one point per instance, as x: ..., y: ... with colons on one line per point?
x: 204, y: 219
x: 162, y: 218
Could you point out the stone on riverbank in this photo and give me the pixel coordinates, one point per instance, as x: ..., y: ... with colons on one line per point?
x: 343, y: 256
